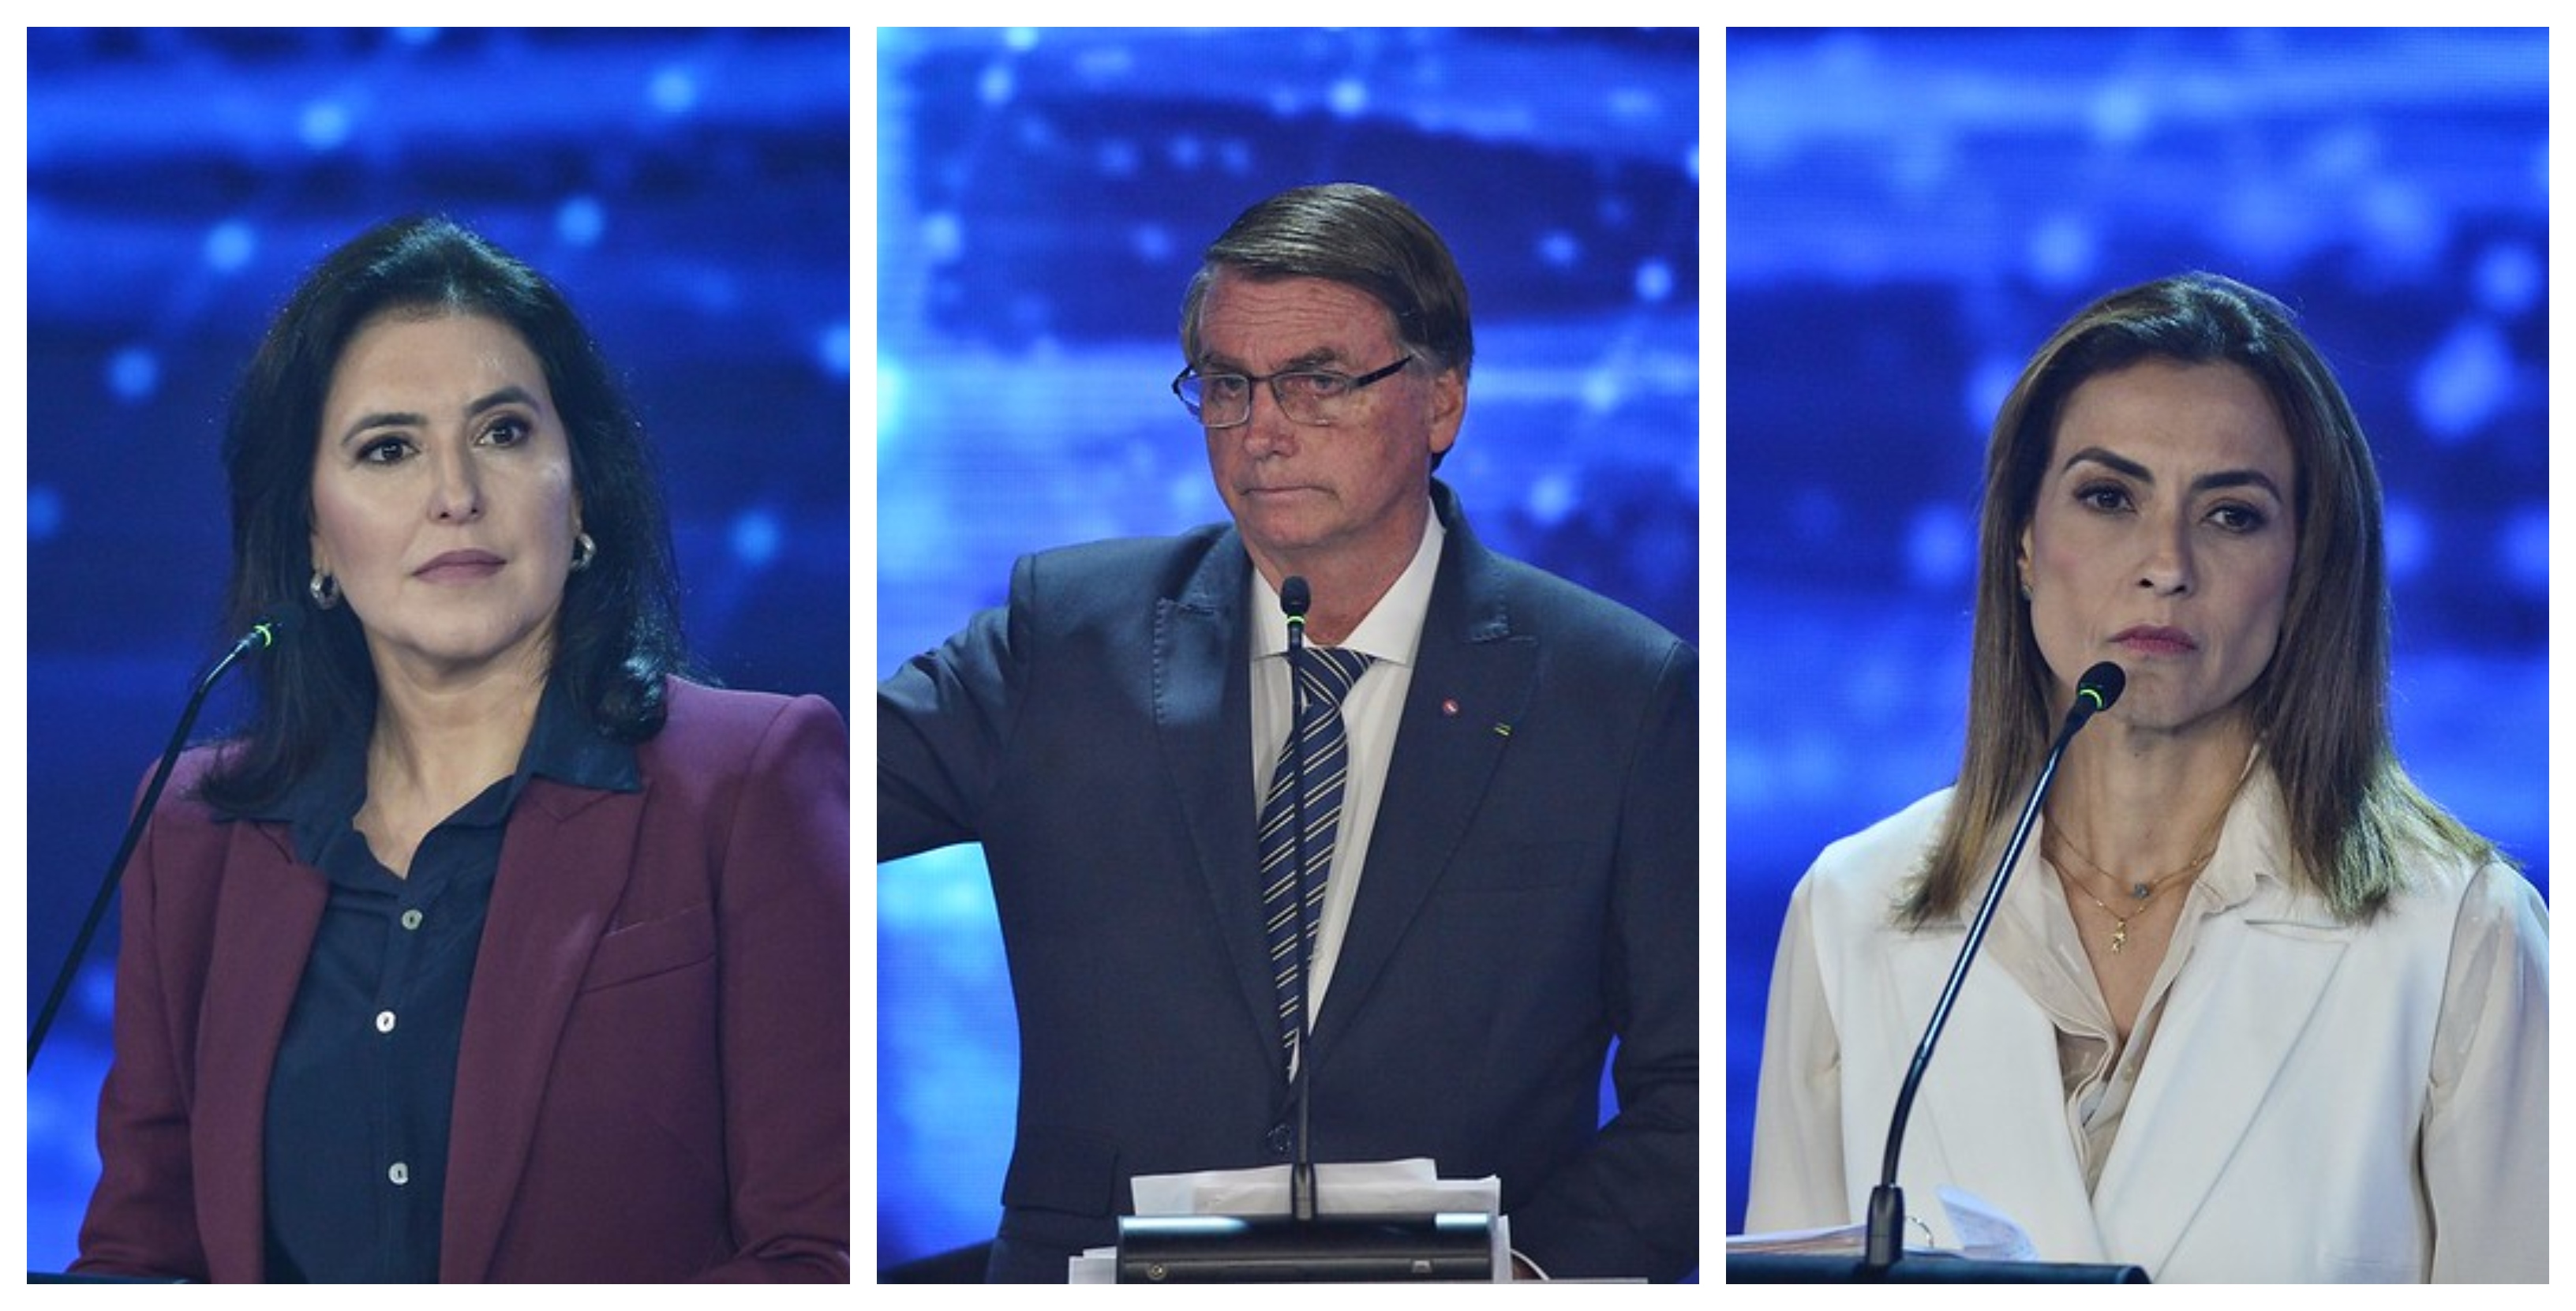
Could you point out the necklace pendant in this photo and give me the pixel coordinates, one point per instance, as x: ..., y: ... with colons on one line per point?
x: 2119, y: 937
x: 2139, y: 891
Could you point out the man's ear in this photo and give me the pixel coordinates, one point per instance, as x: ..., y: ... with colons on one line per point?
x: 1448, y: 409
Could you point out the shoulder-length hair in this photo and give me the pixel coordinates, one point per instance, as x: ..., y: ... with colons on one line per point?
x: 2320, y: 708
x: 618, y: 634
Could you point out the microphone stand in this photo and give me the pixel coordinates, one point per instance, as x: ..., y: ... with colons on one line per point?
x: 263, y: 635
x: 1294, y: 598
x: 1304, y: 1247
x: 1884, y: 1239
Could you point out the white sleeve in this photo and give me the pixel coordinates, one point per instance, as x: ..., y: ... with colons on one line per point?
x: 2486, y: 1125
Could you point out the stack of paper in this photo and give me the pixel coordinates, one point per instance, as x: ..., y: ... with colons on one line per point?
x: 1407, y: 1187
x: 1985, y: 1234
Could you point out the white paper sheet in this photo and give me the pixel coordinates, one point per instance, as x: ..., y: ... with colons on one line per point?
x: 1985, y: 1234
x: 1412, y: 1186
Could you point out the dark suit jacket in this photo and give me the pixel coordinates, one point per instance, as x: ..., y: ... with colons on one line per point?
x: 653, y: 1082
x: 1530, y: 893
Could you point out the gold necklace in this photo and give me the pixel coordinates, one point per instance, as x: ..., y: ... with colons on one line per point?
x: 2140, y: 889
x: 2144, y: 892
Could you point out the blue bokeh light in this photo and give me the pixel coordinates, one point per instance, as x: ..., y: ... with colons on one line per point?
x: 229, y: 245
x: 673, y: 91
x: 580, y: 220
x: 134, y: 374
x: 324, y: 125
x: 1654, y: 281
x: 45, y: 513
x: 2522, y: 550
x: 2409, y: 545
x: 2464, y: 381
x: 832, y: 350
x: 757, y: 538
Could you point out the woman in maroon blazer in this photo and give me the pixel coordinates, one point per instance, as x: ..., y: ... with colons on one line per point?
x: 493, y: 949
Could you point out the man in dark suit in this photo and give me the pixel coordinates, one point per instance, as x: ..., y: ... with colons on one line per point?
x: 1505, y: 801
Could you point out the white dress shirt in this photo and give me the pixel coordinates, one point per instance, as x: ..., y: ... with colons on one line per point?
x: 1391, y: 635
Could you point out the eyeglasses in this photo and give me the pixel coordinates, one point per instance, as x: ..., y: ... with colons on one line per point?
x: 1307, y: 396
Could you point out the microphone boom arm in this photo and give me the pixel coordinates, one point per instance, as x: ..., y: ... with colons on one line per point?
x: 1884, y: 1234
x: 263, y: 635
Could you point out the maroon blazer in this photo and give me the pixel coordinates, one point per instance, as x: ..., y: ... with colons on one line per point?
x: 653, y: 1082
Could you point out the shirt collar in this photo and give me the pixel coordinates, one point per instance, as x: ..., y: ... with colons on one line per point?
x: 1391, y: 631
x: 562, y: 746
x: 2254, y: 846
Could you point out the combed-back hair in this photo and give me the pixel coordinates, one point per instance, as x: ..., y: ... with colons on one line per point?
x: 618, y: 635
x: 1359, y: 236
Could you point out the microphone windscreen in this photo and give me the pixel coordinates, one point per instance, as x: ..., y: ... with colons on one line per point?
x: 1294, y: 596
x: 2102, y: 684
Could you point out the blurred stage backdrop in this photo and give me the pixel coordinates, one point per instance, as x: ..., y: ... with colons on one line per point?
x: 690, y: 191
x: 1910, y: 213
x: 1043, y: 197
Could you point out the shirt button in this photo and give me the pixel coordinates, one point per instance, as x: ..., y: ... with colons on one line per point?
x: 411, y: 918
x: 384, y: 1021
x: 400, y: 1174
x: 1280, y: 1140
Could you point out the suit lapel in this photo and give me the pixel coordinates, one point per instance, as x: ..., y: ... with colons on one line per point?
x: 1202, y: 696
x: 565, y: 863
x: 264, y: 925
x: 1472, y: 679
x: 2184, y: 1123
x: 1988, y: 1109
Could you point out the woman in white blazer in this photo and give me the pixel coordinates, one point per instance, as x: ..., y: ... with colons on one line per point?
x: 2253, y: 1007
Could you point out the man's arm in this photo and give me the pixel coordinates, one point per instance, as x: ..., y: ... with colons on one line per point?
x: 1630, y: 1206
x: 942, y: 722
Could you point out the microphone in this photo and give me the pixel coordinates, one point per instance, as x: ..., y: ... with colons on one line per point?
x: 1303, y: 1246
x: 1295, y: 598
x: 1883, y: 1241
x: 268, y: 632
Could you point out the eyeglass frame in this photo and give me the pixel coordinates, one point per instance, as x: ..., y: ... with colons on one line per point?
x: 1358, y: 384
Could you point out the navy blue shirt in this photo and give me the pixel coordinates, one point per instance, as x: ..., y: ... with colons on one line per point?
x: 365, y: 1081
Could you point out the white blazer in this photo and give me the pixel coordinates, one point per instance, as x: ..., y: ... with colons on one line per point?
x: 2322, y: 1102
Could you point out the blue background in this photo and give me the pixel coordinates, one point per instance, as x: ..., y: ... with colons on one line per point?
x: 1042, y: 201
x: 690, y: 191
x: 1909, y: 214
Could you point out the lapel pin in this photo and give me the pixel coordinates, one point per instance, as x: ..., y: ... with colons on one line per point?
x: 1449, y: 707
x: 1502, y: 730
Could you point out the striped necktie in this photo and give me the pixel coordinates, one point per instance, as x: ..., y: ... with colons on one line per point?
x: 1329, y: 674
